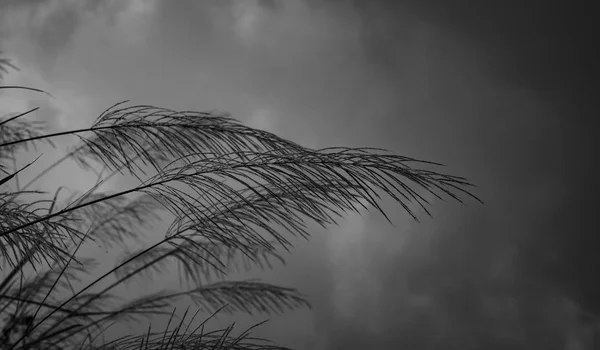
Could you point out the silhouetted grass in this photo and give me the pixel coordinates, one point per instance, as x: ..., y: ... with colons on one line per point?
x: 235, y: 194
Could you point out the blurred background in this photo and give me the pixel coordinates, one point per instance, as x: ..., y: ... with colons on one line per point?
x: 503, y: 92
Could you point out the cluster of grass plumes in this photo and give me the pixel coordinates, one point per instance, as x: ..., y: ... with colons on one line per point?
x: 234, y: 196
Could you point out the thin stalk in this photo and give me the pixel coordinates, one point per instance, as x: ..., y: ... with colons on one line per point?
x: 18, y: 116
x: 25, y: 88
x: 67, y: 210
x: 50, y: 291
x: 98, y: 280
x: 47, y: 136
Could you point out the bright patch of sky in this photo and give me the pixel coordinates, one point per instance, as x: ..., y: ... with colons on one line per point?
x: 134, y: 19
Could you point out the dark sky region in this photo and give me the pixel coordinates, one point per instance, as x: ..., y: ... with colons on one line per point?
x: 503, y: 92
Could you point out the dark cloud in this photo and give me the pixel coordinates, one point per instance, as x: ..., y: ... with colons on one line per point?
x: 547, y: 45
x: 505, y: 91
x: 502, y: 91
x: 544, y: 45
x: 270, y: 4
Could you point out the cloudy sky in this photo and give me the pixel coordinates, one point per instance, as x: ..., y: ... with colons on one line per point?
x: 500, y: 91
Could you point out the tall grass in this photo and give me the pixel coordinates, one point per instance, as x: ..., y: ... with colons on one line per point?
x: 234, y: 195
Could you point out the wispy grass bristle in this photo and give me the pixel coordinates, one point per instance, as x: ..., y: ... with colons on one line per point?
x: 236, y: 198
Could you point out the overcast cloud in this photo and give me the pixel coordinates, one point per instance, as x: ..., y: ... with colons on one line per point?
x: 502, y: 93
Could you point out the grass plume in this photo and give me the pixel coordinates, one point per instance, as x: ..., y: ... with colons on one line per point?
x: 235, y: 196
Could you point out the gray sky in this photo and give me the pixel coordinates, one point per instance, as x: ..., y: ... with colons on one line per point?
x: 501, y: 93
